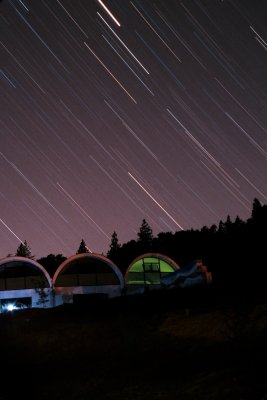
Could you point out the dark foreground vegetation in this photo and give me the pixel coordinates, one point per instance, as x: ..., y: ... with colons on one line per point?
x: 186, y: 344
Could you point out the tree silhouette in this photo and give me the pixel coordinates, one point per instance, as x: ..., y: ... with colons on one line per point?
x: 114, y: 245
x: 238, y: 222
x: 234, y: 251
x: 145, y: 234
x: 51, y: 262
x: 24, y: 250
x: 228, y: 224
x: 221, y: 227
x: 82, y: 248
x: 256, y: 209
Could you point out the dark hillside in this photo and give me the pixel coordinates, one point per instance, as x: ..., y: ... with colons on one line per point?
x: 165, y: 345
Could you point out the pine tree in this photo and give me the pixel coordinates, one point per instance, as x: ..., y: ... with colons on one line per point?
x: 145, y: 234
x: 213, y: 229
x: 238, y: 223
x: 228, y: 224
x: 256, y: 209
x: 24, y: 250
x: 82, y: 248
x: 221, y: 227
x: 114, y: 245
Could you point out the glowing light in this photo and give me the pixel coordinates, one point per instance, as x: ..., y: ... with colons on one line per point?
x: 11, y: 307
x: 109, y: 12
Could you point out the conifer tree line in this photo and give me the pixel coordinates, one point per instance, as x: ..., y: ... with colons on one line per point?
x: 234, y: 251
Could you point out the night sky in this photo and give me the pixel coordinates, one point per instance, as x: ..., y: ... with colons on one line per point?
x: 120, y: 110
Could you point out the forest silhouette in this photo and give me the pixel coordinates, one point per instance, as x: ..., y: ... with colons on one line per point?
x: 234, y: 251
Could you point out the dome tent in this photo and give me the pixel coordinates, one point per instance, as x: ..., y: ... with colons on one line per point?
x: 148, y: 269
x: 86, y: 274
x: 23, y: 283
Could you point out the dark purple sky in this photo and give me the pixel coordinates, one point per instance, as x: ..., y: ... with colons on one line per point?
x: 159, y: 113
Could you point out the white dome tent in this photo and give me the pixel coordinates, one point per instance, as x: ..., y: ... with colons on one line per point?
x: 24, y: 283
x: 86, y: 274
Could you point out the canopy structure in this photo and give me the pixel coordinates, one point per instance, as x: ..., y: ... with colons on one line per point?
x: 23, y: 283
x: 85, y: 274
x: 148, y: 269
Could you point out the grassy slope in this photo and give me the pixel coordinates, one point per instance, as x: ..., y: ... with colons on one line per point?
x: 162, y: 346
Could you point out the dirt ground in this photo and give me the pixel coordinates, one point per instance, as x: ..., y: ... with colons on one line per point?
x: 158, y: 346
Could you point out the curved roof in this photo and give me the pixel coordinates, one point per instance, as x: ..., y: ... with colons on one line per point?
x: 31, y: 268
x: 149, y: 268
x: 90, y: 264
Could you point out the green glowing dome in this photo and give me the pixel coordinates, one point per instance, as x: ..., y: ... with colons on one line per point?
x: 148, y: 269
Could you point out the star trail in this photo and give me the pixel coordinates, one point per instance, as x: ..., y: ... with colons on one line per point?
x: 114, y: 111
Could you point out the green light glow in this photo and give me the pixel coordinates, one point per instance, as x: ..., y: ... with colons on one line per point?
x: 164, y: 266
x: 148, y: 271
